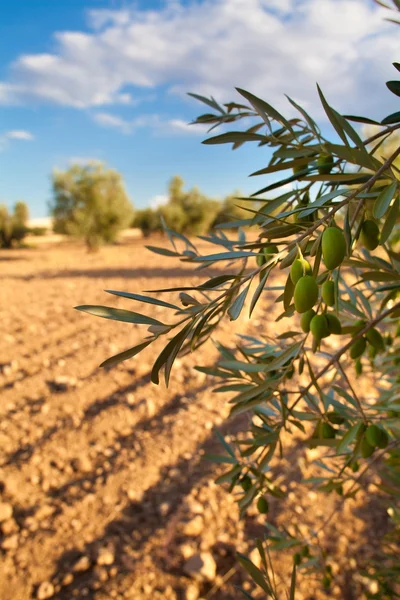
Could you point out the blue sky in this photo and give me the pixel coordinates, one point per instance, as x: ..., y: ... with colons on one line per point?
x: 107, y: 80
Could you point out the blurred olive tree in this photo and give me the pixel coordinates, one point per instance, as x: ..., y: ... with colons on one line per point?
x: 90, y: 202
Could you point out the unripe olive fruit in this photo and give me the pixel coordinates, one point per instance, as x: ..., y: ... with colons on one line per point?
x: 262, y: 505
x: 319, y: 327
x: 355, y: 466
x: 324, y: 164
x: 327, y: 431
x: 375, y: 339
x: 358, y: 325
x: 333, y: 247
x: 265, y: 253
x: 305, y: 320
x: 373, y: 435
x: 369, y: 234
x: 328, y: 293
x: 246, y: 483
x: 299, y: 268
x: 384, y: 439
x: 358, y: 348
x: 366, y: 449
x: 334, y: 325
x: 326, y: 582
x: 260, y: 258
x: 297, y: 559
x: 305, y: 294
x: 335, y: 418
x: 299, y: 168
x: 389, y: 340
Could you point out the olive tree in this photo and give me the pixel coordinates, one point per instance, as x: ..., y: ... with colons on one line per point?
x: 90, y: 202
x: 13, y: 227
x: 331, y: 241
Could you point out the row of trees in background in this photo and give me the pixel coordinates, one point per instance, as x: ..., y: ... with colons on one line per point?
x: 189, y: 212
x: 90, y: 202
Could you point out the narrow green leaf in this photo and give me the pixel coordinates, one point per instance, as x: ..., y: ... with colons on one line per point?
x: 394, y: 87
x: 264, y: 109
x: 233, y: 137
x: 210, y: 102
x: 162, y: 251
x: 258, y: 291
x: 331, y: 116
x: 118, y: 314
x: 170, y: 350
x: 313, y: 126
x: 225, y: 444
x: 254, y: 573
x: 358, y: 119
x: 390, y: 222
x: 237, y: 365
x: 224, y: 256
x: 125, y: 355
x: 140, y: 298
x: 390, y: 119
x: 236, y: 308
x: 216, y: 282
x: 288, y: 292
x: 348, y: 178
x: 384, y: 199
x: 348, y: 437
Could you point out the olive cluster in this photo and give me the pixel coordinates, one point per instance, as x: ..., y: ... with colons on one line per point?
x: 306, y: 291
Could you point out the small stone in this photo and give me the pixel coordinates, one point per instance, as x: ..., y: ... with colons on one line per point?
x: 83, y: 564
x: 201, y: 566
x: 62, y: 383
x: 46, y: 590
x: 150, y: 407
x: 105, y: 557
x: 67, y: 579
x: 191, y: 592
x: 187, y: 550
x: 130, y: 398
x: 101, y: 574
x: 82, y: 463
x: 164, y: 508
x: 194, y: 527
x: 6, y: 511
x: 10, y: 543
x: 9, y: 526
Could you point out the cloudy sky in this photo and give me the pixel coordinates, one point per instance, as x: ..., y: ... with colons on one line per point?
x: 107, y: 80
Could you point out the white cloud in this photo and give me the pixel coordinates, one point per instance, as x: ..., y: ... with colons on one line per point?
x: 19, y: 134
x: 15, y: 134
x: 153, y: 121
x: 158, y: 200
x: 270, y: 47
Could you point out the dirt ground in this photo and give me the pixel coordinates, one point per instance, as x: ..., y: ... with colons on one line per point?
x: 104, y: 489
